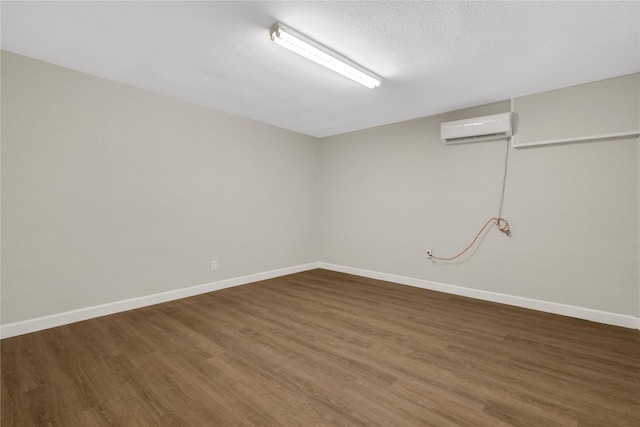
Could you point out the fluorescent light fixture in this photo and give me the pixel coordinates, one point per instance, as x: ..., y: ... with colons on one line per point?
x: 296, y: 42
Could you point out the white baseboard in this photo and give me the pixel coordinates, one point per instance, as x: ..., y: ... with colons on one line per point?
x: 605, y: 317
x: 46, y: 322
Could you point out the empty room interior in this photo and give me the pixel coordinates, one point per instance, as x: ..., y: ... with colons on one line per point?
x: 375, y: 213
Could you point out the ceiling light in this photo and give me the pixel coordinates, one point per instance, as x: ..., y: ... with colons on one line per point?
x: 296, y: 42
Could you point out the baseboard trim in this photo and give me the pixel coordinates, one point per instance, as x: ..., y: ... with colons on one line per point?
x: 46, y: 322
x: 33, y: 325
x: 605, y: 317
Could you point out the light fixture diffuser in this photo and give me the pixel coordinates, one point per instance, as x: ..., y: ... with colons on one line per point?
x: 296, y: 42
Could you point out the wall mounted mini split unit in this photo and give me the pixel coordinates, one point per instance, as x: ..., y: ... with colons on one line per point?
x: 496, y: 126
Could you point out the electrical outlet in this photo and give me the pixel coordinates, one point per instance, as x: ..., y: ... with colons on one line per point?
x: 429, y: 254
x: 214, y: 265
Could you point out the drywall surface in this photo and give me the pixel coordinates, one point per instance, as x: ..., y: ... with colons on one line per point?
x: 599, y: 108
x: 387, y: 194
x: 110, y: 192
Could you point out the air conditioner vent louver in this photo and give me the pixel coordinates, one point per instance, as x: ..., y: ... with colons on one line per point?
x: 477, y: 138
x: 484, y: 128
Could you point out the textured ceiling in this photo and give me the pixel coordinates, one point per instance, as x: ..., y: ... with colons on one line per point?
x: 432, y: 56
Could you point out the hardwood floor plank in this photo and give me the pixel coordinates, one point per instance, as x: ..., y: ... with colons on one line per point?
x: 321, y: 348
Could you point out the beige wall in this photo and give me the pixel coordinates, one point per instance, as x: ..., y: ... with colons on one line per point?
x: 598, y: 108
x: 110, y: 192
x: 388, y: 194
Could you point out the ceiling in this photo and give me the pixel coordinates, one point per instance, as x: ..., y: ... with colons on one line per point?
x: 433, y: 56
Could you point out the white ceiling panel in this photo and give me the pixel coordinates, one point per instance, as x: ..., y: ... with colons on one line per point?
x: 432, y: 56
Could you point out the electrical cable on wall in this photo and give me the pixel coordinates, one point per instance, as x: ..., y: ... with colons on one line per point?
x: 498, y: 221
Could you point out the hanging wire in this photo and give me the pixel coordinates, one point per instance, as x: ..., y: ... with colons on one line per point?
x: 498, y: 221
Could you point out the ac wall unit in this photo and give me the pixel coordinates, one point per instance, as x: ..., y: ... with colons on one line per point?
x: 496, y: 126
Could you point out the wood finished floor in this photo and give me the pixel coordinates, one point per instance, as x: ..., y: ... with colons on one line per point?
x: 321, y: 348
